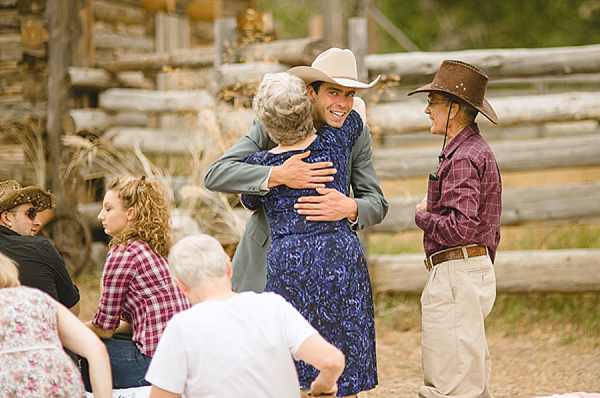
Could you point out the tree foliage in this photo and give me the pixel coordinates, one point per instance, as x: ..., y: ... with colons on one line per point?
x: 441, y: 25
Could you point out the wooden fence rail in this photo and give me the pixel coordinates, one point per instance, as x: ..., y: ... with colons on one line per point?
x: 419, y: 67
x: 513, y: 155
x: 409, y: 116
x: 519, y: 206
x: 518, y: 271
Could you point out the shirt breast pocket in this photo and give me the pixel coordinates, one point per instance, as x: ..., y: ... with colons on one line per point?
x: 433, y: 191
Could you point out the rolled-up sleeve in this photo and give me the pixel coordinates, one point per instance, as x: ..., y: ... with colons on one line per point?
x: 118, y: 273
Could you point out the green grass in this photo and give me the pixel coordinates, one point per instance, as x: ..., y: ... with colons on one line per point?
x: 543, y: 237
x: 570, y: 315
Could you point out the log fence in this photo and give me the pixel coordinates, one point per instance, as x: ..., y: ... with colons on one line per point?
x: 547, y: 101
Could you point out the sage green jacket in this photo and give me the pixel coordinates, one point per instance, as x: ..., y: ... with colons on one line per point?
x: 228, y: 174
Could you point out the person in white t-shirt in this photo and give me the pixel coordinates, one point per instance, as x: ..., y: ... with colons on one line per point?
x: 230, y: 344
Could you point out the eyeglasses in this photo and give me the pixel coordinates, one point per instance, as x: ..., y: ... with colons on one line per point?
x: 432, y: 103
x: 31, y: 213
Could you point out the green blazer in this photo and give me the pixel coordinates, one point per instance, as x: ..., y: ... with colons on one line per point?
x: 228, y: 174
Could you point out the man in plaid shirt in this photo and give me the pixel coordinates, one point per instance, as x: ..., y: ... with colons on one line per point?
x: 460, y: 217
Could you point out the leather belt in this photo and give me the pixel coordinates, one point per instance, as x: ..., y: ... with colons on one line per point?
x: 454, y: 254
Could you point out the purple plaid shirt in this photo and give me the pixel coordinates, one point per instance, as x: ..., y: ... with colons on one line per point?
x: 136, y: 284
x: 465, y: 203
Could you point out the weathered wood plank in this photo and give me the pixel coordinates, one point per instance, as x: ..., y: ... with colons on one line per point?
x: 194, y: 58
x: 153, y: 141
x: 419, y: 67
x: 117, y: 99
x: 9, y: 20
x: 11, y: 47
x: 516, y: 155
x: 409, y: 116
x: 119, y: 41
x: 519, y: 206
x: 119, y: 13
x: 289, y: 52
x: 98, y: 119
x: 98, y: 79
x: 90, y: 78
x: 516, y: 272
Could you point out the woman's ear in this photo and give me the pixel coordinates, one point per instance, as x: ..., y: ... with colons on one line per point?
x: 184, y: 289
x: 130, y: 214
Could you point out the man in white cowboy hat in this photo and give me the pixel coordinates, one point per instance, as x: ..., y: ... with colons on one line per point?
x: 460, y: 217
x: 333, y: 81
x: 40, y: 265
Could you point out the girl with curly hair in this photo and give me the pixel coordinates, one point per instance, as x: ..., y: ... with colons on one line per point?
x: 138, y: 294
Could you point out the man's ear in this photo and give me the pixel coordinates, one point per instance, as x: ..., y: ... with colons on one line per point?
x: 4, y: 217
x: 454, y: 111
x: 311, y: 93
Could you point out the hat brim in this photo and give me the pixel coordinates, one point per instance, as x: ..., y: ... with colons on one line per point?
x: 485, y: 108
x: 311, y: 75
x: 38, y: 197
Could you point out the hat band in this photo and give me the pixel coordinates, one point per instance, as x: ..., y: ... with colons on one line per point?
x: 478, y: 101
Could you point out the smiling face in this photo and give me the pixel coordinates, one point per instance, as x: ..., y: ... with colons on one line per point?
x: 331, y: 105
x: 114, y: 216
x: 19, y: 219
x: 437, y: 109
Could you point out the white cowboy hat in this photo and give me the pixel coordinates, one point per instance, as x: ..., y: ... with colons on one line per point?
x: 335, y: 66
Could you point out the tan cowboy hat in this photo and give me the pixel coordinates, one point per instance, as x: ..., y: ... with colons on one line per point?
x: 12, y: 194
x: 464, y: 81
x: 335, y: 66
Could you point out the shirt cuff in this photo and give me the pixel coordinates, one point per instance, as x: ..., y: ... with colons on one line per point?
x: 264, y: 186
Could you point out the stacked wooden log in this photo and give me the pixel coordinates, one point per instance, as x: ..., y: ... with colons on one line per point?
x: 549, y: 120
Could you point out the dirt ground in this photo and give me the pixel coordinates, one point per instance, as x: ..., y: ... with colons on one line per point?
x: 537, y: 363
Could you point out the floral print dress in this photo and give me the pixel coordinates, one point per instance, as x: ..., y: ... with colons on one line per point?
x: 32, y: 360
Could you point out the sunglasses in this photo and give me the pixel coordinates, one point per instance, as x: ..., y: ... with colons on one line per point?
x: 31, y: 213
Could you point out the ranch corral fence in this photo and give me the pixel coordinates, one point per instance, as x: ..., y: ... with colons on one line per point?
x: 151, y: 86
x: 549, y: 107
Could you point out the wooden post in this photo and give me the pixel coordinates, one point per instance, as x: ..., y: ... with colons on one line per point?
x: 332, y: 22
x: 70, y: 43
x: 225, y: 40
x: 358, y: 42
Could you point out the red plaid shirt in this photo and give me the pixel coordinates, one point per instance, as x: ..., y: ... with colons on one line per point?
x: 136, y: 284
x: 465, y: 203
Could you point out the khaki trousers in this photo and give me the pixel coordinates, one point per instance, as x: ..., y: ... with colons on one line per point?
x: 458, y: 296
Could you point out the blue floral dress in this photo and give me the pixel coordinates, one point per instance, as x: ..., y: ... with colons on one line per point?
x: 320, y: 267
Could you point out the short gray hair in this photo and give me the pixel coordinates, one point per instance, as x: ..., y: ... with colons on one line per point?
x: 198, y: 259
x: 283, y: 106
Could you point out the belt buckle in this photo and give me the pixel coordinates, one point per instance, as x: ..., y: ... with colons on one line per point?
x: 428, y: 263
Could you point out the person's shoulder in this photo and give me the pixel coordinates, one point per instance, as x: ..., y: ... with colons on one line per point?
x: 39, y: 243
x: 29, y: 292
x: 255, y: 157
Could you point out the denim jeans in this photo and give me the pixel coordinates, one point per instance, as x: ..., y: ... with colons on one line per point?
x: 127, y: 363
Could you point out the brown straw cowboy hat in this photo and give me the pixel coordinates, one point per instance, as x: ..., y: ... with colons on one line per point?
x: 465, y: 82
x: 335, y: 66
x: 12, y: 194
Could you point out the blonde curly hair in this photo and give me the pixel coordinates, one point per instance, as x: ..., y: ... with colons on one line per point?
x: 283, y: 106
x: 9, y: 274
x: 151, y: 213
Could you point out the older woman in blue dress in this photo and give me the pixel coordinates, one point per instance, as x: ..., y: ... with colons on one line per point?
x: 319, y: 267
